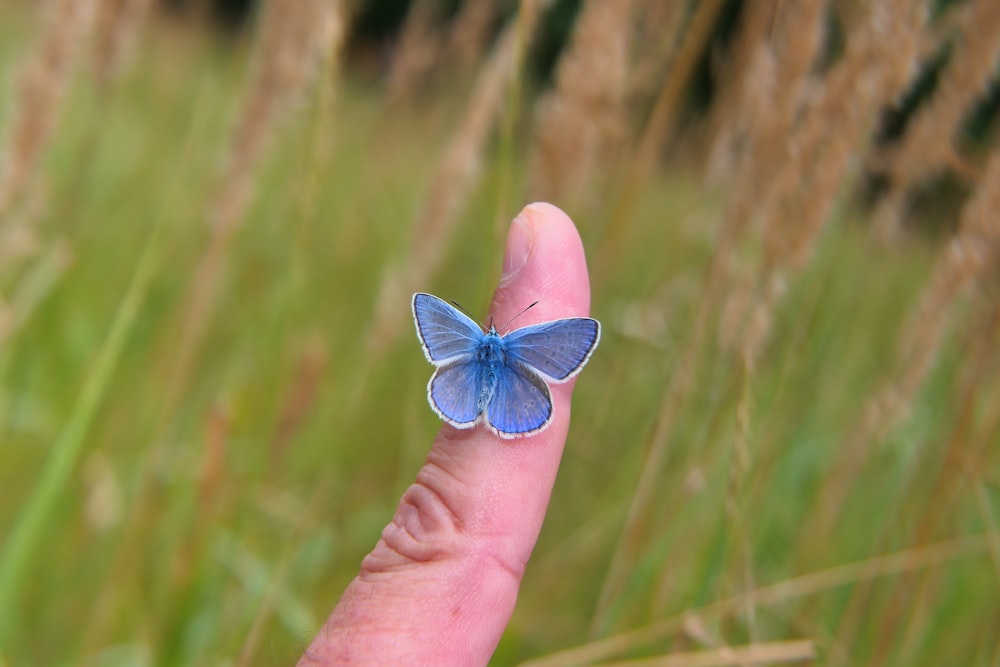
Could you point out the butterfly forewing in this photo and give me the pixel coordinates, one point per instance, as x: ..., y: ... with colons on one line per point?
x: 454, y: 393
x: 558, y: 349
x: 445, y: 332
x: 521, y: 402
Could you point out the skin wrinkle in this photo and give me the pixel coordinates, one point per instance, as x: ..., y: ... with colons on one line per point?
x: 427, y: 529
x: 436, y: 503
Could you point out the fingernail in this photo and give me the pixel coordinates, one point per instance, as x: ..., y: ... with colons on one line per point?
x: 518, y: 249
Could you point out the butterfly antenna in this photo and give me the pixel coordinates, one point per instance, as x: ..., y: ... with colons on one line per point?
x: 507, y: 324
x: 471, y: 316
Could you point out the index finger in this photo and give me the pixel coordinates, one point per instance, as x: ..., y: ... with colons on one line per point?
x: 441, y: 583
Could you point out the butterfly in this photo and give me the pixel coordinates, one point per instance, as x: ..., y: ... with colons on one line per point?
x: 497, y: 380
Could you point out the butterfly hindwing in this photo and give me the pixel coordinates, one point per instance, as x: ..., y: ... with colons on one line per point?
x: 454, y: 392
x: 521, y: 402
x: 444, y: 331
x: 557, y: 349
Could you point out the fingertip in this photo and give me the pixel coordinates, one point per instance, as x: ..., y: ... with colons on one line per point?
x: 544, y: 261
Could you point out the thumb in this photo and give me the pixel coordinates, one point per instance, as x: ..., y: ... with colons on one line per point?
x: 440, y: 585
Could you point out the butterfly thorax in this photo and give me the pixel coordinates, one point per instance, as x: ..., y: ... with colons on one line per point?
x: 491, y: 349
x: 491, y: 356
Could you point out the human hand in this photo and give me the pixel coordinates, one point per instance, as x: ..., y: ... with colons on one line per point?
x: 440, y: 585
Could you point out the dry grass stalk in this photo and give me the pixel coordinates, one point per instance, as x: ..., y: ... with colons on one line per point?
x: 952, y: 477
x: 42, y: 84
x: 660, y: 121
x: 981, y: 487
x: 34, y: 286
x: 695, y: 35
x: 115, y: 29
x: 953, y: 471
x: 973, y: 256
x: 456, y: 174
x: 739, y: 470
x: 581, y: 123
x: 419, y: 49
x: 747, y: 76
x: 772, y: 95
x: 798, y: 203
x: 469, y: 33
x: 212, y: 477
x: 781, y: 592
x: 771, y: 99
x: 105, y: 499
x: 292, y: 46
x: 658, y: 29
x: 300, y: 399
x: 766, y: 653
x: 928, y: 147
x: 876, y: 66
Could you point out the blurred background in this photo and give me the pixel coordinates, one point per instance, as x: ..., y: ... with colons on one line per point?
x: 213, y: 215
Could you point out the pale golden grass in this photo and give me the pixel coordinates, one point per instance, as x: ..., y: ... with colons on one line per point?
x: 770, y: 98
x: 985, y: 378
x: 746, y: 75
x: 41, y: 85
x: 468, y: 34
x: 455, y: 175
x: 682, y: 380
x: 428, y: 48
x: 294, y: 46
x: 972, y: 256
x: 965, y: 459
x: 763, y: 82
x: 581, y: 124
x: 643, y: 161
x: 878, y: 62
x: 116, y: 28
x: 656, y: 33
x: 292, y: 50
x: 657, y: 29
x: 30, y: 267
x: 791, y: 142
x: 928, y: 147
x: 656, y: 129
x: 300, y: 397
x: 771, y: 93
x: 765, y: 653
x: 782, y: 592
x: 420, y: 45
x: 41, y: 275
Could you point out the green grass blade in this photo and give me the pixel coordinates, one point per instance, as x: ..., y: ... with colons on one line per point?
x: 31, y: 523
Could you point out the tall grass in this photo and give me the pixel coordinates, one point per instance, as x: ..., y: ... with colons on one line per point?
x: 209, y: 400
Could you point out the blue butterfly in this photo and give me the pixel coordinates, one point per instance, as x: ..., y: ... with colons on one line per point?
x: 500, y: 381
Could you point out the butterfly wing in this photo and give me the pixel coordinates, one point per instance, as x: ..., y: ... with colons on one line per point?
x: 521, y: 402
x: 557, y: 349
x: 445, y: 332
x: 518, y: 401
x: 453, y: 392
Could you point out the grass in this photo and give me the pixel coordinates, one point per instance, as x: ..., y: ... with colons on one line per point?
x: 220, y: 525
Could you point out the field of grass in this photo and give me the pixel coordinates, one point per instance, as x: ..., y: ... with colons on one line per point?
x: 209, y: 406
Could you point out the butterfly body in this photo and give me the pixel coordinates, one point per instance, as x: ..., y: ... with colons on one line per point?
x: 498, y: 380
x: 490, y: 360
